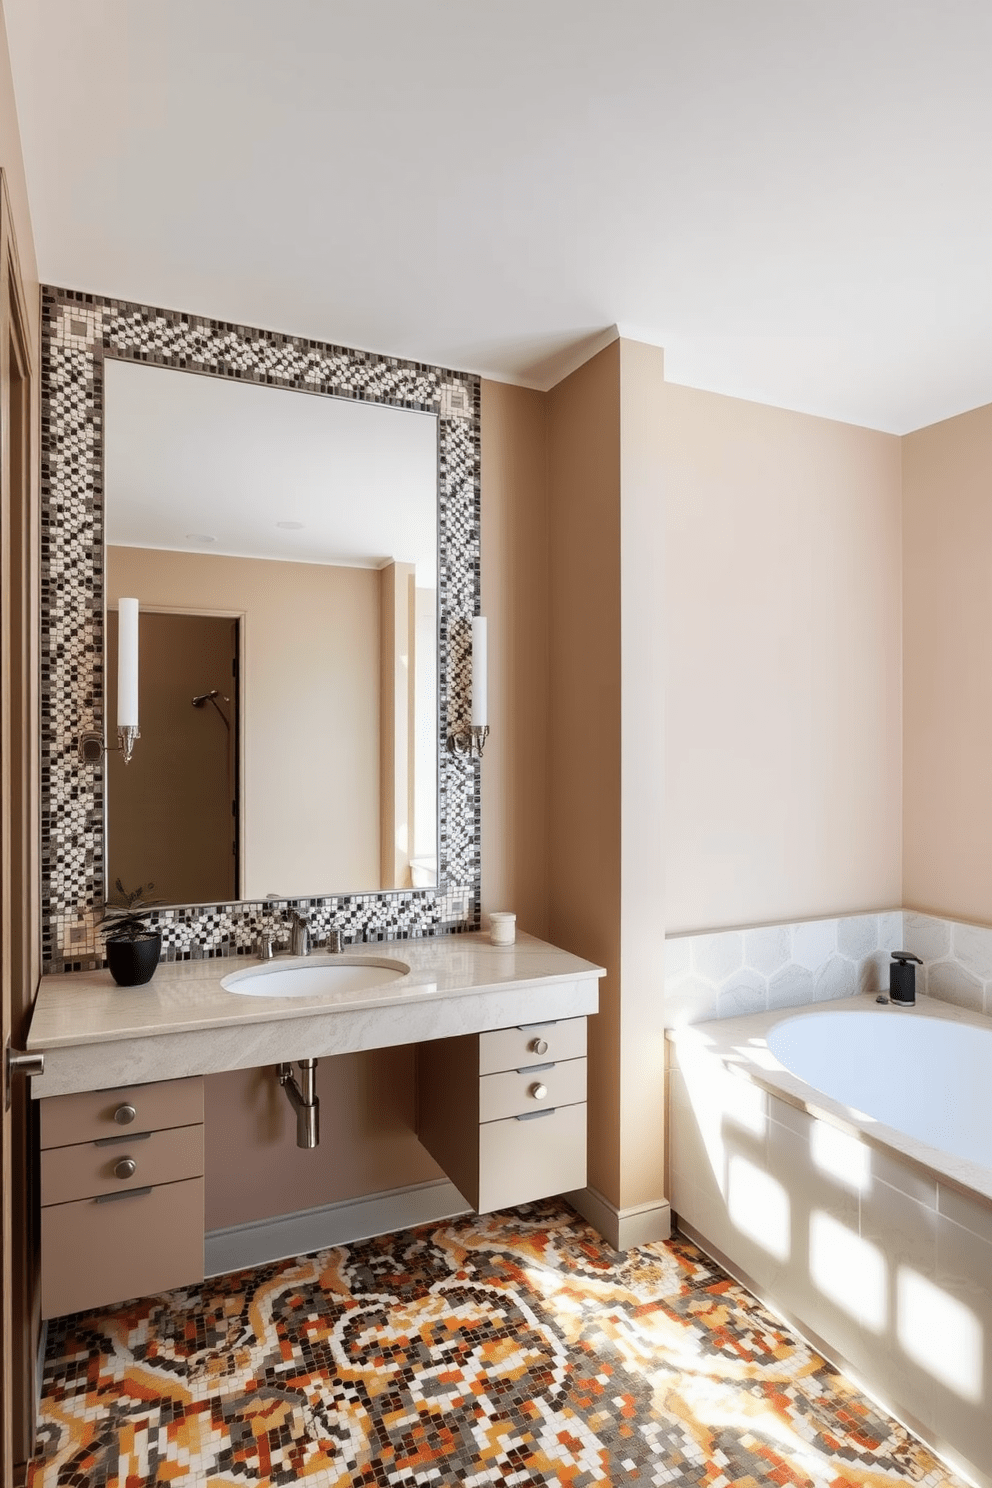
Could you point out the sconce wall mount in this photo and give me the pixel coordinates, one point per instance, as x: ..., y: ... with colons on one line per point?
x: 91, y: 747
x: 469, y: 739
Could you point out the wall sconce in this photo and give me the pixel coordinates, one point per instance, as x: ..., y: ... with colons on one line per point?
x: 91, y: 745
x: 127, y: 676
x: 471, y: 740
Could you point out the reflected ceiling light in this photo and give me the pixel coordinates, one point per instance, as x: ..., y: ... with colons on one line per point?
x: 291, y: 526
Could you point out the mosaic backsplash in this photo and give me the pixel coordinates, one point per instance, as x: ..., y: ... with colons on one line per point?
x: 729, y: 973
x: 78, y: 332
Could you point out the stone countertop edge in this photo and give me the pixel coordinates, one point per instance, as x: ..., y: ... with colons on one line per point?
x: 729, y: 1040
x: 79, y: 1008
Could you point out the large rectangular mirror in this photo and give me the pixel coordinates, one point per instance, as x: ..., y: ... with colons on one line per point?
x: 283, y: 550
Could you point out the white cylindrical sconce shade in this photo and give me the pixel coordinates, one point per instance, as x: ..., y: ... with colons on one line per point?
x: 480, y: 680
x: 127, y: 663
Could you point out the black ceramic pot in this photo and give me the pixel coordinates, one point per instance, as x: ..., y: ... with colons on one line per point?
x: 133, y: 962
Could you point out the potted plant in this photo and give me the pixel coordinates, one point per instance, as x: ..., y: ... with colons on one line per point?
x: 133, y: 948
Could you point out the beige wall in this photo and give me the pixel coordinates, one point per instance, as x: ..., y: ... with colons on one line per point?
x: 643, y: 477
x: 782, y: 620
x: 310, y: 658
x: 254, y: 1168
x: 515, y: 576
x: 585, y: 699
x: 947, y: 475
x: 725, y: 696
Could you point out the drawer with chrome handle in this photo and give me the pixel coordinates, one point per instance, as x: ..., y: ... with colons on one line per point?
x: 115, y: 1164
x: 103, y: 1250
x: 513, y: 1048
x: 515, y: 1092
x: 70, y: 1119
x: 531, y: 1156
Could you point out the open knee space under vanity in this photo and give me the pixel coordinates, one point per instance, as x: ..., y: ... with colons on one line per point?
x: 500, y: 1043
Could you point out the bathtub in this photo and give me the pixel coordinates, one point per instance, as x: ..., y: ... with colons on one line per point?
x: 839, y: 1162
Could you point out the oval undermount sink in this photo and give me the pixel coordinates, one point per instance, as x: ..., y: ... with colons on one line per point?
x: 313, y: 981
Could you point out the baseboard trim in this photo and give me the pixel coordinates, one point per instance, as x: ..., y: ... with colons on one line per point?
x: 640, y: 1224
x: 287, y: 1235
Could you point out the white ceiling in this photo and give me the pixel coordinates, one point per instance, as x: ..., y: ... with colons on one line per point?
x: 792, y: 198
x: 192, y: 458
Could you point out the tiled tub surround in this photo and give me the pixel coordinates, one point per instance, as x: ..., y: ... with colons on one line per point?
x: 79, y: 331
x: 877, y: 1246
x: 729, y: 973
x: 957, y: 959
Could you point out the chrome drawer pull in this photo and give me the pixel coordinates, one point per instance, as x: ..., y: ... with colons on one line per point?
x: 538, y: 1046
x: 533, y: 1069
x: 130, y: 1193
x: 128, y: 1137
x: 124, y: 1115
x: 126, y: 1168
x: 539, y: 1092
x: 536, y: 1115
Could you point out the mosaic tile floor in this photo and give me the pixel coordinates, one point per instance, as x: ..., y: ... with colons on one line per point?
x: 514, y: 1349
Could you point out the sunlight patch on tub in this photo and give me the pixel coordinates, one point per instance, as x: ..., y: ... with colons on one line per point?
x: 758, y: 1206
x: 841, y: 1156
x: 849, y: 1270
x: 940, y: 1333
x: 763, y: 1058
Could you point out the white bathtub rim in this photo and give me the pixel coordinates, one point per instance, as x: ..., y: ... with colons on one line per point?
x: 727, y: 1040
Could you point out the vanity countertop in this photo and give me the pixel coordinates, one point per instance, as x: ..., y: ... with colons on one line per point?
x: 95, y: 1034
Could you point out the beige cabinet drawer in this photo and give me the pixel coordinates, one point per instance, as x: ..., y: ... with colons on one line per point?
x: 512, y: 1048
x: 98, y: 1252
x: 530, y: 1157
x: 91, y: 1168
x: 516, y: 1092
x: 70, y: 1119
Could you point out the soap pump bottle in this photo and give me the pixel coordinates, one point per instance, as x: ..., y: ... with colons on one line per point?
x: 902, y: 978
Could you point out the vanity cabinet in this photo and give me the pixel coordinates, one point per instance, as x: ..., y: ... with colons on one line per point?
x: 121, y: 1194
x: 504, y: 1112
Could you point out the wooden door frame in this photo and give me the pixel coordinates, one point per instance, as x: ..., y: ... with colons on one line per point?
x: 19, y: 876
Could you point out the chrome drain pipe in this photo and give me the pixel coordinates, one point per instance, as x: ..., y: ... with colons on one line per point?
x: 304, y: 1100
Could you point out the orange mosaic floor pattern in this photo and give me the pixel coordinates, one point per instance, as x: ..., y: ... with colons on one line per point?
x: 511, y: 1349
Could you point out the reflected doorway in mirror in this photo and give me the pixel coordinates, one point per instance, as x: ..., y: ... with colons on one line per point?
x: 173, y: 813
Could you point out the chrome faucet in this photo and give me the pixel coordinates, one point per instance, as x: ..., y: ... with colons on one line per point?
x: 299, y: 935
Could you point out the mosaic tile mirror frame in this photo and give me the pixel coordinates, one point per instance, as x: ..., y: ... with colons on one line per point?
x: 79, y: 331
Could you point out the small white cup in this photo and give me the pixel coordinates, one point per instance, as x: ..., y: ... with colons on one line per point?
x: 502, y: 928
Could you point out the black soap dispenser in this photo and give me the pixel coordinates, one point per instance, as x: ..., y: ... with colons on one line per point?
x: 902, y: 978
